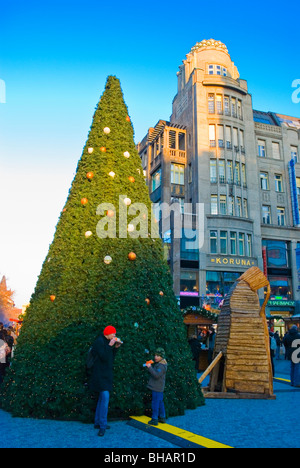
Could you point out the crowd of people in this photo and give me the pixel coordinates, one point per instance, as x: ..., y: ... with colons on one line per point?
x: 8, y: 340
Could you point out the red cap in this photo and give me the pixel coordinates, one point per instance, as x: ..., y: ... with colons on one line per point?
x: 109, y: 331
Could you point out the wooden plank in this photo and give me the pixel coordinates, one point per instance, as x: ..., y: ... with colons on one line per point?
x: 210, y: 368
x: 260, y: 376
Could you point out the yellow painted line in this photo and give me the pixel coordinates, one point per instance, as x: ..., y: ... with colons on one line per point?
x: 283, y: 380
x: 196, y: 439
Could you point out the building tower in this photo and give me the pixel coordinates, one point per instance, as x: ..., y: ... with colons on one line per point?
x: 218, y: 152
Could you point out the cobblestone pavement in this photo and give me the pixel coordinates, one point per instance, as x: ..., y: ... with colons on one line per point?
x: 237, y: 423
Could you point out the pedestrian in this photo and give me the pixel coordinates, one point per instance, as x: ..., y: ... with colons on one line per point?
x: 3, y: 353
x: 278, y: 347
x: 273, y: 347
x: 196, y: 350
x: 211, y: 344
x: 156, y: 384
x: 292, y: 344
x: 101, y: 378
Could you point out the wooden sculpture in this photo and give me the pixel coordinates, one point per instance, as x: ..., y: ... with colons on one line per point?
x: 242, y: 360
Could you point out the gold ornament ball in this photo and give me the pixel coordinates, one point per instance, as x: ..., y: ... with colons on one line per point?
x: 132, y: 256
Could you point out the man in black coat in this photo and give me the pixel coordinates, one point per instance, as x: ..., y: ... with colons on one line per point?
x: 101, y: 380
x: 291, y: 342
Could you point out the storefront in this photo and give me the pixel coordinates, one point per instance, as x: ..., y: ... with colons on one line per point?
x: 280, y: 314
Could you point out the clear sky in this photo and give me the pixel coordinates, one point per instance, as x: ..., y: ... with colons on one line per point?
x: 54, y: 60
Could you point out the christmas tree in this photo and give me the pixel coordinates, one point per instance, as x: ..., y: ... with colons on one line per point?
x: 105, y: 267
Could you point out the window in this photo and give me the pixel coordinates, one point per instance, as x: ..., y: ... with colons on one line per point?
x: 217, y: 70
x: 213, y: 242
x: 242, y: 141
x: 190, y: 175
x: 223, y: 204
x: 211, y: 103
x: 298, y: 185
x: 244, y: 179
x: 214, y: 205
x: 242, y: 245
x: 266, y: 214
x: 221, y: 136
x: 177, y: 174
x: 156, y: 180
x: 240, y: 111
x: 235, y: 138
x: 212, y: 135
x: 278, y: 183
x: 213, y: 171
x: 281, y: 216
x: 233, y: 107
x: 277, y: 254
x: 237, y: 173
x: 245, y: 203
x: 281, y: 288
x: 223, y: 242
x: 264, y: 181
x: 239, y: 207
x: 189, y: 282
x: 230, y: 172
x: 226, y: 105
x: 261, y: 148
x: 231, y: 210
x: 249, y: 245
x: 276, y: 150
x: 222, y: 177
x: 294, y: 153
x: 219, y: 102
x: 233, y: 241
x: 228, y: 138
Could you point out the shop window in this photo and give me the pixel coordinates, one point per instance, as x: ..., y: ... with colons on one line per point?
x: 189, y: 283
x: 281, y: 288
x: 219, y: 283
x: 277, y: 254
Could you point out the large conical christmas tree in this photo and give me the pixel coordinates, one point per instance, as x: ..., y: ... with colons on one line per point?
x: 98, y: 272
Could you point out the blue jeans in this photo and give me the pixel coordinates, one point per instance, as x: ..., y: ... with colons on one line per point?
x: 158, y: 407
x: 102, y: 410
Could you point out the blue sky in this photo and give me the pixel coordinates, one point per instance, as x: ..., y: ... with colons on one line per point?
x: 54, y: 59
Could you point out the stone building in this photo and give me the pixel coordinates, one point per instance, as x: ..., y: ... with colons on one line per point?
x: 242, y: 167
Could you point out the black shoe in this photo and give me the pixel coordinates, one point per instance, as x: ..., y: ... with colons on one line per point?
x: 98, y: 427
x: 101, y: 433
x: 153, y: 422
x: 162, y: 420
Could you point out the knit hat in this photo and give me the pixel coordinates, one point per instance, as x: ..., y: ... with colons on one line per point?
x: 110, y: 330
x: 160, y: 352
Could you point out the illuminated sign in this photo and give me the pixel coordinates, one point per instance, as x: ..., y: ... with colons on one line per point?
x: 237, y: 261
x: 281, y: 303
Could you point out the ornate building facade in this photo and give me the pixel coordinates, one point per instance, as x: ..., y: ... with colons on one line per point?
x: 243, y: 167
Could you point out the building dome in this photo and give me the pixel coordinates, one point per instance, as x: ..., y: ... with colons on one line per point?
x: 210, y: 43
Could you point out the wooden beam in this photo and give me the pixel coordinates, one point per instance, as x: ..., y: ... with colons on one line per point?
x: 210, y: 368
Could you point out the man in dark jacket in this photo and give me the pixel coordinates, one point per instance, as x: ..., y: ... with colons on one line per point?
x: 101, y: 380
x: 291, y: 342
